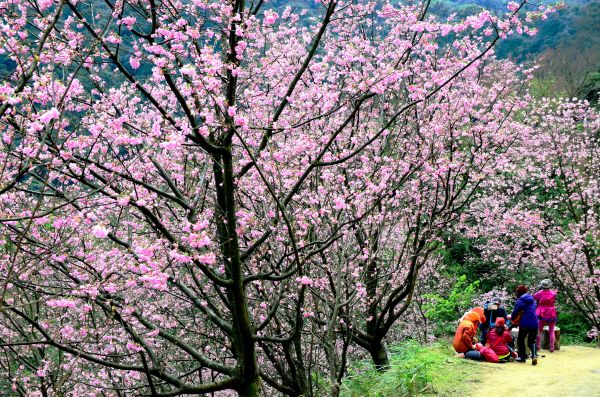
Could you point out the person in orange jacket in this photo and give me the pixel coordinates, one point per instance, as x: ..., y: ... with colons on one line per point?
x: 480, y: 311
x: 464, y: 338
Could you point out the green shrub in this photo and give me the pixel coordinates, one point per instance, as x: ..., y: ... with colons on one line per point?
x: 573, y: 326
x: 445, y: 311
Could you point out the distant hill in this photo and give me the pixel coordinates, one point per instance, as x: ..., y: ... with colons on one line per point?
x: 579, y: 19
x: 577, y: 24
x: 567, y: 45
x: 572, y: 34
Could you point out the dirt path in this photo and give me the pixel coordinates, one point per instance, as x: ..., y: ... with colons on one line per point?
x: 571, y: 372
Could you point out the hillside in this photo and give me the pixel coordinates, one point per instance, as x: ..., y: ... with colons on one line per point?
x: 578, y: 20
x: 566, y: 47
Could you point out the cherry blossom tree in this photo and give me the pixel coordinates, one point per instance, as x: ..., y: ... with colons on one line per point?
x: 569, y: 169
x: 544, y: 215
x: 179, y: 179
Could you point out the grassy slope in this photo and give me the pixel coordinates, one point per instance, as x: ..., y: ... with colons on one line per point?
x: 420, y: 371
x: 415, y: 371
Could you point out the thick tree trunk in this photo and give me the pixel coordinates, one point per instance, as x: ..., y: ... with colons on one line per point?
x: 335, y: 389
x: 243, y: 343
x: 250, y: 388
x: 380, y: 355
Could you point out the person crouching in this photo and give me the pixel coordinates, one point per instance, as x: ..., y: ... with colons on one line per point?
x: 464, y: 338
x: 498, y: 339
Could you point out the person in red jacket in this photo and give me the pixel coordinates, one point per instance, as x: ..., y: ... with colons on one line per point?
x: 464, y: 343
x: 499, y: 338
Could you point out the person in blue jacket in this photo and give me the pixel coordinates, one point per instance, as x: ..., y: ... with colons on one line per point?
x: 491, y: 310
x: 528, y: 324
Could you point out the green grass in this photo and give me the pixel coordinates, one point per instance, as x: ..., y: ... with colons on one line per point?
x: 415, y: 370
x: 570, y: 340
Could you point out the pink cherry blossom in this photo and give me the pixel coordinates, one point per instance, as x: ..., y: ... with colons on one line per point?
x: 50, y: 115
x: 100, y: 231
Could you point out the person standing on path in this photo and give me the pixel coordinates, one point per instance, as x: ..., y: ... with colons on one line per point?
x: 525, y: 310
x: 546, y: 311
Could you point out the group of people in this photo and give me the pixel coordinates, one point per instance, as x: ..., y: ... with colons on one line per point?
x: 530, y: 314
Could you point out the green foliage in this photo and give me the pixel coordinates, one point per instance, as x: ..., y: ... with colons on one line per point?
x: 591, y: 90
x: 461, y: 257
x: 542, y: 87
x: 573, y: 325
x: 415, y: 370
x: 444, y: 311
x: 7, y: 247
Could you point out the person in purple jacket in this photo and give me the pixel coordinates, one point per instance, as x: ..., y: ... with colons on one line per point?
x: 528, y: 324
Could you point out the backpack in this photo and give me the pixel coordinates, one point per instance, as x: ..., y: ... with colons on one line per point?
x: 517, y: 318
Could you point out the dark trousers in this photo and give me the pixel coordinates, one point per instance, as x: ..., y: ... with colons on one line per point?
x: 530, y: 334
x: 484, y: 335
x: 473, y: 355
